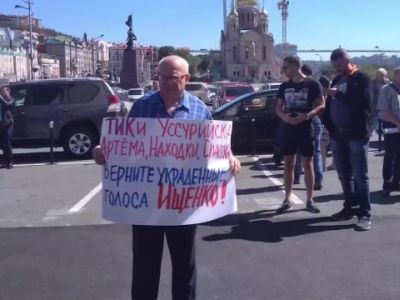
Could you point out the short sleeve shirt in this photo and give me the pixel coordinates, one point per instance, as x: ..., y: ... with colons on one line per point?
x: 299, y: 97
x: 152, y: 106
x: 389, y: 99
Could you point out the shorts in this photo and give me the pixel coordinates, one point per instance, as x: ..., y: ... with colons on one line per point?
x: 297, y: 140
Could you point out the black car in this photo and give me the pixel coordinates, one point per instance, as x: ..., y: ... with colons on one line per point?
x: 74, y: 107
x: 254, y: 119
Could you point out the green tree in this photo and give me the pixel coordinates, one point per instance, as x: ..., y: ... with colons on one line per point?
x: 165, y: 51
x: 327, y: 71
x: 370, y: 70
x: 204, y: 64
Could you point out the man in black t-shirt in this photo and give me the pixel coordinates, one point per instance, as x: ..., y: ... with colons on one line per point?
x: 300, y: 99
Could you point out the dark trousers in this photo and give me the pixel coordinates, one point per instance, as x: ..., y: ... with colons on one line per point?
x: 147, y: 245
x: 5, y: 142
x: 391, y: 162
x: 351, y: 159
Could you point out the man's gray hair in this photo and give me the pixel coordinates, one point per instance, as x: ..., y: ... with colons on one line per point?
x: 382, y: 71
x: 176, y: 60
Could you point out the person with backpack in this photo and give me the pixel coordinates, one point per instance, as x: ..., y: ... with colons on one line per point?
x: 389, y: 112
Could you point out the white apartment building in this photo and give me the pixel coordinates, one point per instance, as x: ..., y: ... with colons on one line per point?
x: 13, y: 64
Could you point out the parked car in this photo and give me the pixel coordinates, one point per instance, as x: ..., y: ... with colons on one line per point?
x: 271, y: 86
x: 121, y: 93
x: 135, y: 94
x: 231, y: 91
x: 199, y: 89
x: 254, y: 119
x: 76, y: 107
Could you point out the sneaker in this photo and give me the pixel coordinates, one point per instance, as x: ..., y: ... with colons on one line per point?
x: 312, y: 207
x: 286, y: 206
x: 317, y: 186
x: 296, y: 181
x: 331, y: 168
x: 386, y: 193
x: 343, y: 215
x: 6, y: 166
x: 363, y: 224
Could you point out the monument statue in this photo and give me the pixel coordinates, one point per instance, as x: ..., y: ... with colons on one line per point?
x: 131, y: 35
x: 129, y: 72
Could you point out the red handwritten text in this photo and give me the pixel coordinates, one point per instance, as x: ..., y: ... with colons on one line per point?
x: 189, y: 131
x: 180, y: 199
x: 126, y: 126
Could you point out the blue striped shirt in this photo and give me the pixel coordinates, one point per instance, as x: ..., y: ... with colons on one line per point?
x: 152, y: 106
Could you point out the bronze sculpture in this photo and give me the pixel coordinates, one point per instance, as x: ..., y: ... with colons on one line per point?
x: 131, y: 35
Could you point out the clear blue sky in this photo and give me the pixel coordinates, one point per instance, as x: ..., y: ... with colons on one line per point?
x: 312, y: 24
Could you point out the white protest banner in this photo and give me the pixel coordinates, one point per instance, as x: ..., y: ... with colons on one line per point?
x: 166, y: 171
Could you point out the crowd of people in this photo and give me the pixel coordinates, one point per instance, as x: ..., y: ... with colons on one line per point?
x: 314, y: 113
x: 343, y: 114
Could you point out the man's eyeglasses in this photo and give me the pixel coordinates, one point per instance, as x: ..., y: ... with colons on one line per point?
x: 174, y: 78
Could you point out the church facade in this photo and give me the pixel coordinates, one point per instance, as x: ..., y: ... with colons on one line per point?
x: 247, y: 46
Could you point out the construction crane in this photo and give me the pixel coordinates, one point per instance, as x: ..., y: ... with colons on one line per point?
x: 283, y: 5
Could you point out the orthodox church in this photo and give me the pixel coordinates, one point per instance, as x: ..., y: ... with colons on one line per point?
x: 247, y: 46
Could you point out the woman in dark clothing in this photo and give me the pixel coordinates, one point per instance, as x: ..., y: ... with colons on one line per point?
x: 6, y: 126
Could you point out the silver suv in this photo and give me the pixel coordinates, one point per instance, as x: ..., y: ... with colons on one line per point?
x: 74, y: 107
x: 199, y: 89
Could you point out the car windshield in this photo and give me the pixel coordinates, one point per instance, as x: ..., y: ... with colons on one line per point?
x: 241, y: 99
x: 135, y: 92
x: 193, y: 87
x: 230, y: 103
x: 275, y: 86
x: 238, y: 91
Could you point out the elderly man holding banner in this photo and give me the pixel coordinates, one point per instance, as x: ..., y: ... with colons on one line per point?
x: 166, y: 168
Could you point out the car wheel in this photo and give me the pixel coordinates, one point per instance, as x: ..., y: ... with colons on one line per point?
x: 79, y: 142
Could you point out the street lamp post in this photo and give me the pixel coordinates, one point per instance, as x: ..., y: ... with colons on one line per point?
x: 92, y: 43
x: 31, y: 56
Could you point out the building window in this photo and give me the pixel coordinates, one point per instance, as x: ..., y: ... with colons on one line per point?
x: 247, y: 53
x: 264, y: 52
x: 234, y: 52
x: 248, y: 17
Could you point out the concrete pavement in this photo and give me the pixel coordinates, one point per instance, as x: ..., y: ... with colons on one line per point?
x: 47, y: 252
